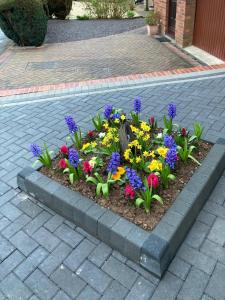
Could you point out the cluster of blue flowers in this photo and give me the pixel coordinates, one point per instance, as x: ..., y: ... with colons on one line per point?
x: 169, y: 141
x: 72, y: 126
x: 114, y: 163
x: 137, y: 105
x: 134, y: 179
x: 116, y: 116
x: 74, y: 158
x: 172, y: 110
x: 171, y: 157
x: 36, y: 150
x: 108, y: 110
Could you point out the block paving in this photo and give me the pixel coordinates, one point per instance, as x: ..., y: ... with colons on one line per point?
x: 43, y: 256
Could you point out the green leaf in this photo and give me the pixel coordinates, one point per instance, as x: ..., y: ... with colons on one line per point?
x: 105, y: 190
x: 92, y: 180
x: 158, y: 198
x: 139, y: 201
x: 194, y: 159
x: 98, y: 189
x: 71, y: 177
x: 171, y: 177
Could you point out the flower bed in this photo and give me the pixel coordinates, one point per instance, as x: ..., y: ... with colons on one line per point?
x: 127, y: 165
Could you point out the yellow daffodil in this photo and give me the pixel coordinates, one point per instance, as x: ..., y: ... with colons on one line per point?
x: 145, y: 126
x: 123, y: 117
x: 138, y: 159
x: 133, y: 128
x: 117, y: 121
x: 127, y: 153
x: 106, y: 125
x: 119, y: 173
x: 85, y: 146
x: 134, y: 143
x: 162, y: 151
x: 145, y: 153
x: 152, y: 154
x: 155, y: 165
x: 146, y: 137
x: 93, y: 144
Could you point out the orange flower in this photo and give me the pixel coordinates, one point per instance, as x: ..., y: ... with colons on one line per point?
x: 119, y: 173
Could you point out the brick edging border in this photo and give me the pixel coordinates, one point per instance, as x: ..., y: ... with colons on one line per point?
x: 152, y: 250
x: 109, y: 80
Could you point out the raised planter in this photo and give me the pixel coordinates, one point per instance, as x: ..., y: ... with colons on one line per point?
x: 152, y: 250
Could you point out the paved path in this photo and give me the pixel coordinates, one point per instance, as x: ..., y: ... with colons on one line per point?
x: 45, y: 257
x: 123, y: 54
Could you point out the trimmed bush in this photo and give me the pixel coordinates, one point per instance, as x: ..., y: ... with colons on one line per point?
x: 60, y: 8
x: 24, y: 21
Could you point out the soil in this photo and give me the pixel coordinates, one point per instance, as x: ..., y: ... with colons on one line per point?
x: 126, y: 208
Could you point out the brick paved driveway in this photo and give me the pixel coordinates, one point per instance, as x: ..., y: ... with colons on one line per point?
x: 123, y: 54
x: 42, y: 256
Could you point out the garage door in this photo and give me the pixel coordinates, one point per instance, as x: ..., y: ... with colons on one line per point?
x: 209, y: 32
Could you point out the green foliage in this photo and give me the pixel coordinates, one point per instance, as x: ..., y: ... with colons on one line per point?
x: 198, y: 130
x: 84, y: 17
x: 185, y: 152
x: 74, y: 173
x: 168, y: 123
x: 146, y: 197
x: 152, y: 18
x: 45, y: 157
x: 24, y: 21
x: 104, y: 9
x: 97, y: 122
x: 165, y: 176
x: 130, y: 14
x: 60, y: 8
x: 102, y: 187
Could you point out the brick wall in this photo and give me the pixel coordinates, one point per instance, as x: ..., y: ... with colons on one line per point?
x: 184, y: 19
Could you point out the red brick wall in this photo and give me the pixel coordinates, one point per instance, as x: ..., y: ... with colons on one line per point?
x: 184, y: 19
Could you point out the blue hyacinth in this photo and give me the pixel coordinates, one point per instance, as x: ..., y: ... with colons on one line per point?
x: 74, y: 158
x: 108, y: 110
x: 36, y: 150
x: 116, y: 116
x: 171, y: 158
x: 172, y: 110
x: 137, y: 105
x: 134, y: 179
x: 169, y: 141
x: 114, y: 163
x: 72, y: 126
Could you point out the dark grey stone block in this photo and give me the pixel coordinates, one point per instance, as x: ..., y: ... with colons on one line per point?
x: 91, y: 218
x: 21, y: 177
x: 105, y: 224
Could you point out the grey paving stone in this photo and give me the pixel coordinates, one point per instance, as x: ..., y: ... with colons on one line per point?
x: 194, y: 285
x: 119, y: 256
x: 14, y: 289
x: 197, y: 234
x: 142, y: 290
x: 217, y: 232
x: 55, y: 258
x: 206, y: 297
x: 120, y: 272
x: 23, y: 242
x: 61, y: 296
x: 37, y: 222
x: 179, y: 268
x: 95, y: 277
x: 68, y: 281
x: 4, y: 222
x: 100, y: 254
x: 2, y: 297
x: 3, y: 188
x: 39, y: 283
x: 164, y: 290
x: 10, y: 263
x: 216, y: 287
x: 46, y: 239
x: 213, y: 250
x: 29, y: 207
x: 6, y: 248
x: 68, y: 235
x: 31, y: 263
x: 10, y: 211
x: 14, y: 227
x: 79, y: 254
x: 115, y: 291
x: 196, y: 258
x: 88, y: 293
x: 7, y: 196
x: 206, y: 218
x: 54, y: 223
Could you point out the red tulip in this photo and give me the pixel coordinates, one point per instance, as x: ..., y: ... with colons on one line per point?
x: 90, y: 134
x: 62, y: 163
x: 153, y: 180
x: 129, y: 191
x: 64, y: 149
x: 87, y: 168
x: 183, y: 132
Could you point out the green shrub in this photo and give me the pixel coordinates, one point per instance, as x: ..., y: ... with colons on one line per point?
x: 152, y: 18
x: 130, y: 14
x: 24, y: 21
x: 103, y: 9
x: 84, y: 17
x: 60, y: 8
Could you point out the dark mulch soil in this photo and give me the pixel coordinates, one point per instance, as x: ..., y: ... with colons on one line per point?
x: 61, y: 31
x: 126, y: 208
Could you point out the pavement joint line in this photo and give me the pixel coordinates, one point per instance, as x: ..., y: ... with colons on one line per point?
x: 103, y: 91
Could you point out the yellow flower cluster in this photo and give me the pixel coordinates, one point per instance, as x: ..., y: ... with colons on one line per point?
x: 149, y: 154
x: 135, y: 143
x: 119, y: 173
x: 87, y: 145
x: 111, y: 135
x: 155, y: 165
x: 145, y: 127
x: 142, y: 133
x: 162, y: 151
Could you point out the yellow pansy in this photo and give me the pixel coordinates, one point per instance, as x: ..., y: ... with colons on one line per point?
x: 155, y: 165
x: 162, y: 151
x: 85, y: 146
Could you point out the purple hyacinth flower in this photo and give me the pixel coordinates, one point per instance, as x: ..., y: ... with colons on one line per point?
x: 114, y: 163
x: 134, y: 179
x: 74, y: 158
x: 72, y: 126
x: 36, y: 150
x: 171, y: 158
x: 169, y: 141
x: 172, y: 110
x: 137, y: 105
x: 108, y: 110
